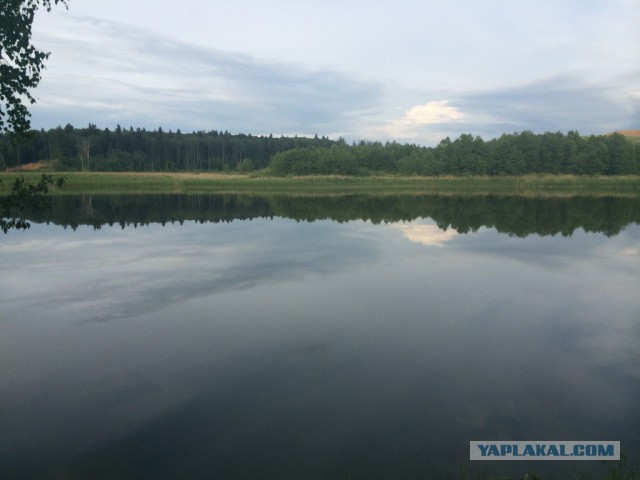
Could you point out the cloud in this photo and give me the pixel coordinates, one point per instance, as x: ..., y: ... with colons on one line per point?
x: 432, y: 112
x: 135, y: 77
x: 153, y: 70
x: 555, y: 103
x: 429, y: 235
x: 560, y: 102
x: 424, y: 123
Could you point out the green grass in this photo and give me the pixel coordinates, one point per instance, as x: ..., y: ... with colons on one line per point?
x: 105, y: 183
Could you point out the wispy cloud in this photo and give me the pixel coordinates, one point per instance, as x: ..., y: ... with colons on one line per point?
x: 126, y: 75
x: 562, y: 102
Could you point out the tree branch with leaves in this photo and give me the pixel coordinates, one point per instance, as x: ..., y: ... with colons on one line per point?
x: 21, y: 63
x: 24, y: 197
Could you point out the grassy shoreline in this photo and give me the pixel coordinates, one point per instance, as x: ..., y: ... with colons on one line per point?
x: 163, y: 182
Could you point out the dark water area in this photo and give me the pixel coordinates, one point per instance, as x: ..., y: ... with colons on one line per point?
x: 238, y: 337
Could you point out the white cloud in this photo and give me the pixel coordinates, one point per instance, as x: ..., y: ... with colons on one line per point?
x: 432, y: 112
x: 424, y: 124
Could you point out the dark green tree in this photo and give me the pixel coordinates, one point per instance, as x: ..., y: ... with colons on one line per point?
x: 21, y: 63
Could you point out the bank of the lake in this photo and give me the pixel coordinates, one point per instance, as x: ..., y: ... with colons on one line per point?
x: 166, y: 182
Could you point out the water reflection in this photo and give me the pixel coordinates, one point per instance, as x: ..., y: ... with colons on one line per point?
x: 175, y: 265
x: 519, y: 216
x: 429, y: 235
x: 275, y: 348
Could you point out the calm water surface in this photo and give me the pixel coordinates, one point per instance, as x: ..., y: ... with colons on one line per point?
x: 233, y: 338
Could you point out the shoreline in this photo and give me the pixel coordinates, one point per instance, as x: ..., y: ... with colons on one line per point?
x: 208, y: 182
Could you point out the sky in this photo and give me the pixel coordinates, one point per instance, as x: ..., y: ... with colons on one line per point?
x: 414, y: 71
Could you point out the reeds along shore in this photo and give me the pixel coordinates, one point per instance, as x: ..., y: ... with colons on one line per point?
x: 95, y: 182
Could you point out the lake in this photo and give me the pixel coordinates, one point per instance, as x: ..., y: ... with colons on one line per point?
x: 344, y: 337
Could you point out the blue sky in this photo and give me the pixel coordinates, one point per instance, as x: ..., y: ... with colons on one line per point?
x: 412, y: 71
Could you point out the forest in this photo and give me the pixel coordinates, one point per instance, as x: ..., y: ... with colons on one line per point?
x: 93, y: 149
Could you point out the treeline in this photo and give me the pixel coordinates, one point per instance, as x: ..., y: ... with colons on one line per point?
x: 511, y: 154
x: 92, y: 149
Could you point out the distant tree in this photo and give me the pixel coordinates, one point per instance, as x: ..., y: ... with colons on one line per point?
x: 21, y: 63
x: 621, y: 161
x: 246, y: 166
